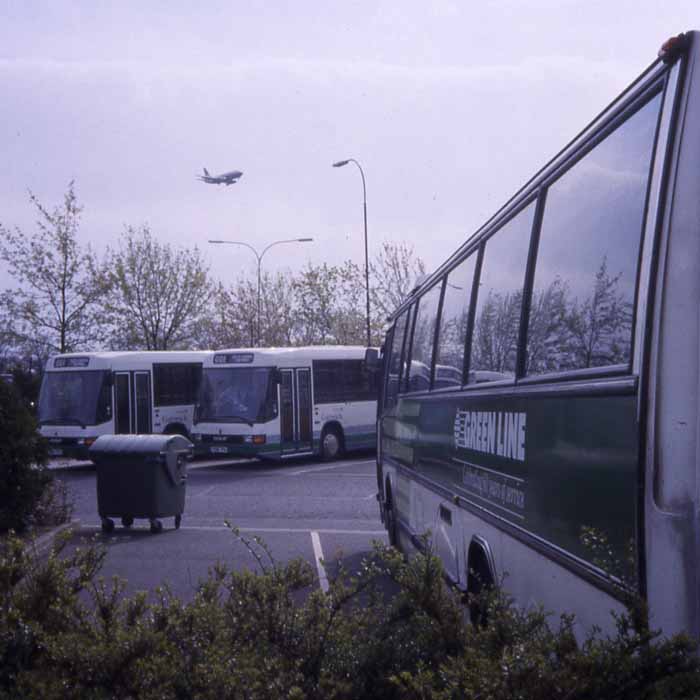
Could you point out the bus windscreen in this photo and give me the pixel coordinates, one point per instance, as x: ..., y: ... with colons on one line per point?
x: 75, y: 398
x: 237, y: 395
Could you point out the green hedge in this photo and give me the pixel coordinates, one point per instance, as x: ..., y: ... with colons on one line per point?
x: 67, y: 633
x: 23, y: 480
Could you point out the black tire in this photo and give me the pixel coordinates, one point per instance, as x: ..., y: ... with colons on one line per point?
x: 156, y: 526
x: 127, y: 521
x: 390, y: 516
x: 178, y: 520
x: 107, y: 525
x: 331, y: 444
x: 479, y: 580
x: 177, y: 429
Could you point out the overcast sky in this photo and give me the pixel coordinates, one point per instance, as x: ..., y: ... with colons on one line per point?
x: 448, y: 106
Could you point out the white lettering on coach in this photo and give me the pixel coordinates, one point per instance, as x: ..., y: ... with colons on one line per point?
x: 500, y: 433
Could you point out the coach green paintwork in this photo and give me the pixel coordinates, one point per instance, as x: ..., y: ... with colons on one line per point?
x: 539, y: 409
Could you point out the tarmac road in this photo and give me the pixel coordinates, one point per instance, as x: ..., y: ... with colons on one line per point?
x: 318, y: 511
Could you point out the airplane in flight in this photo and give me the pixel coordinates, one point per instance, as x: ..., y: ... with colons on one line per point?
x: 230, y: 178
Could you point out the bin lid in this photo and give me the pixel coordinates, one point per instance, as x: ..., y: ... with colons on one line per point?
x: 140, y: 444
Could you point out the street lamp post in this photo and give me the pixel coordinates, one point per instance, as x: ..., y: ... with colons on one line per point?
x: 259, y: 257
x: 340, y: 164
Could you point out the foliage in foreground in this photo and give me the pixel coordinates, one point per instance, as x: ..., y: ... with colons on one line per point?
x: 67, y: 633
x: 23, y: 482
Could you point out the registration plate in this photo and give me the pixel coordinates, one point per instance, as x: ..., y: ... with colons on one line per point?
x: 219, y: 450
x: 55, y: 452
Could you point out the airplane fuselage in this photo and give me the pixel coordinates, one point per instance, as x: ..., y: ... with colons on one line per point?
x: 229, y: 178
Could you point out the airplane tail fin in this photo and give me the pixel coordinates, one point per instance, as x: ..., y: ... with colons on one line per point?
x: 206, y: 172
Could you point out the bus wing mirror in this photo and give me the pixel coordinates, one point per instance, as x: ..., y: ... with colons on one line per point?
x: 372, y: 360
x: 276, y: 376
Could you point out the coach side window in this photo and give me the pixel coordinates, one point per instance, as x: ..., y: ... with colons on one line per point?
x: 449, y: 360
x: 394, y: 360
x: 423, y: 337
x: 500, y: 299
x: 583, y: 294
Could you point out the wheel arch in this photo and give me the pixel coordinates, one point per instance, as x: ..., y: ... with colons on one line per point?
x: 176, y: 428
x: 481, y: 561
x: 335, y: 426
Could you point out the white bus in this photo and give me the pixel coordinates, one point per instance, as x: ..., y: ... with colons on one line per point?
x: 562, y: 452
x: 85, y: 395
x: 283, y: 402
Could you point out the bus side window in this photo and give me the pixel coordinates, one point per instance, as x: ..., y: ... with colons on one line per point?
x: 328, y: 381
x: 176, y: 384
x: 499, y: 300
x: 358, y: 382
x: 449, y: 357
x: 586, y: 272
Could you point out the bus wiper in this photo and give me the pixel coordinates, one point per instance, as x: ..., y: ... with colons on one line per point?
x: 242, y: 419
x: 62, y: 421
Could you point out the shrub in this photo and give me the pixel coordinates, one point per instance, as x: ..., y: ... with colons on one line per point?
x: 22, y: 456
x: 65, y: 632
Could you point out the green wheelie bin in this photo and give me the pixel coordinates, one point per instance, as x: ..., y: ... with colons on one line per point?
x: 141, y: 476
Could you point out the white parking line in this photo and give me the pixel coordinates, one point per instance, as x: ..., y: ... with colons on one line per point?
x: 329, y: 466
x: 314, y: 469
x: 318, y: 553
x: 272, y: 530
x: 205, y: 492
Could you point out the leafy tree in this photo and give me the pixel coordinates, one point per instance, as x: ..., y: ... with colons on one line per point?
x: 322, y: 304
x: 159, y: 294
x: 600, y: 328
x: 278, y: 318
x: 315, y: 291
x: 496, y: 332
x: 547, y: 328
x: 350, y: 322
x: 54, y: 308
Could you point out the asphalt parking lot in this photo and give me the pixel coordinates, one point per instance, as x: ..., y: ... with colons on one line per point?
x: 318, y: 511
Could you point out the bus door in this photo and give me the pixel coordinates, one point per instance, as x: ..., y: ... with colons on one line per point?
x: 122, y: 403
x: 142, y: 402
x: 132, y: 398
x: 295, y: 410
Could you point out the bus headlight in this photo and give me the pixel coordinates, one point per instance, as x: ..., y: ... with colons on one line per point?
x: 256, y: 439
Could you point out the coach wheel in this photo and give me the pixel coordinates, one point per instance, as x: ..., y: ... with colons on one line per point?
x: 156, y: 526
x: 107, y: 524
x: 178, y: 520
x: 127, y: 521
x: 331, y: 444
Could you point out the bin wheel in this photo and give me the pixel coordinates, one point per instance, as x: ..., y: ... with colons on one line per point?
x: 127, y: 521
x: 107, y: 524
x: 156, y: 526
x: 178, y: 520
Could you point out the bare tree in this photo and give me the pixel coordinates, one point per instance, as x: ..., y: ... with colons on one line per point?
x: 159, y: 295
x: 56, y: 304
x: 393, y: 274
